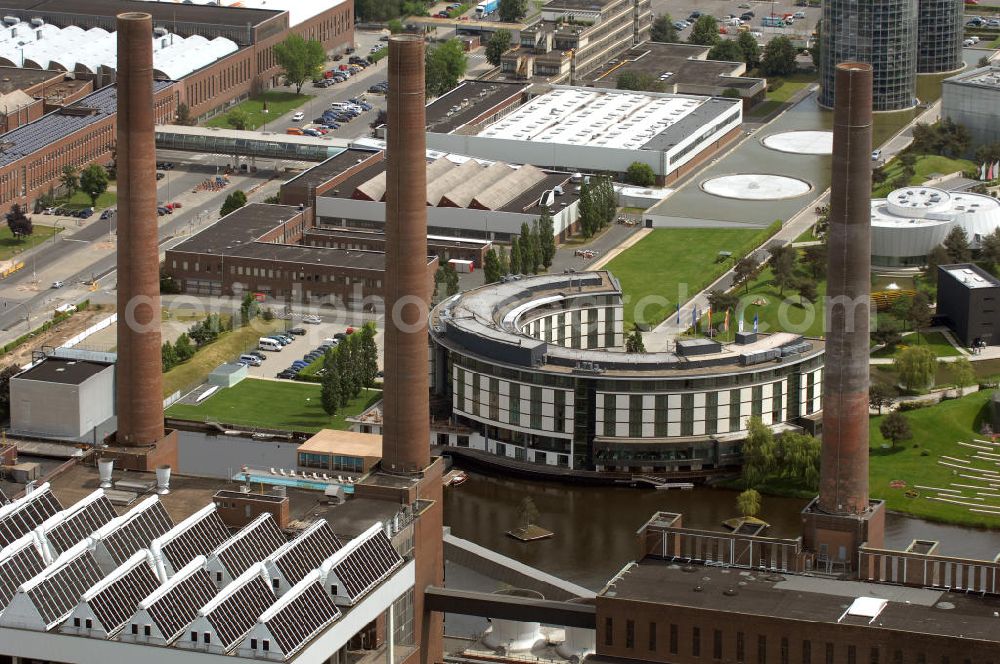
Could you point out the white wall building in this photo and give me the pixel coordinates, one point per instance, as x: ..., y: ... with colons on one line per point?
x: 911, y: 221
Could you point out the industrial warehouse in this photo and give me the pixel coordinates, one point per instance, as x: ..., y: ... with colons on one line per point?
x: 589, y: 129
x: 535, y: 369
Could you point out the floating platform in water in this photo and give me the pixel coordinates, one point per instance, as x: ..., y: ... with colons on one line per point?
x: 746, y: 525
x: 530, y: 533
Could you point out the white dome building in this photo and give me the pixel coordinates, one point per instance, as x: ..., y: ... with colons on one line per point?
x: 911, y: 221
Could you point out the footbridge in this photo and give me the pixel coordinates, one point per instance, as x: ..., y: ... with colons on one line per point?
x: 256, y: 144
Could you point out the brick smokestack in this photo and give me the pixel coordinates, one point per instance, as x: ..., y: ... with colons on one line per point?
x: 844, y: 472
x: 405, y: 399
x: 139, y: 388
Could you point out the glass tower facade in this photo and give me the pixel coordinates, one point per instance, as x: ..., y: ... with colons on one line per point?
x: 882, y: 33
x: 939, y: 47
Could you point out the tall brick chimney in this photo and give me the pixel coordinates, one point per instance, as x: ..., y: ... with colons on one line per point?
x: 405, y: 398
x: 843, y: 517
x: 139, y: 385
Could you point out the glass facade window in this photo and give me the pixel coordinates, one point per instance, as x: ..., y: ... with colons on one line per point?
x: 940, y: 35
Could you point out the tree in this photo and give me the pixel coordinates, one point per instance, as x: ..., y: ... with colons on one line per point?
x: 634, y: 342
x: 879, y: 397
x: 895, y: 428
x: 663, y: 30
x: 6, y: 374
x: 498, y: 44
x: 744, y: 270
x: 937, y: 256
x: 726, y: 50
x: 168, y: 356
x: 705, y: 31
x: 445, y: 65
x: 751, y: 49
x: 413, y: 8
x: 450, y: 279
x: 184, y: 115
x: 536, y: 247
x: 815, y: 256
x: 94, y: 182
x: 607, y: 200
x: 233, y: 202
x: 915, y: 366
x: 395, y: 26
x: 807, y: 288
x: 369, y: 354
x: 19, y: 223
x: 956, y: 245
x: 797, y: 457
x: 70, y: 180
x: 516, y: 266
x: 639, y: 81
x: 376, y: 10
x: 183, y: 348
x: 989, y: 248
x: 816, y: 51
x: 330, y: 394
x: 962, y: 373
x: 301, y: 60
x: 503, y: 260
x: 491, y: 267
x: 758, y: 453
x: 987, y: 152
x: 748, y: 503
x: 249, y: 309
x: 640, y: 174
x: 527, y: 513
x: 511, y: 11
x: 919, y: 312
x: 238, y: 119
x: 782, y: 266
x: 779, y: 57
x: 547, y: 237
x: 586, y: 210
x: 720, y: 300
x: 888, y: 333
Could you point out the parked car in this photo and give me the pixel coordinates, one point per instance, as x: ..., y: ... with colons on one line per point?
x: 160, y: 176
x: 250, y: 360
x: 107, y: 214
x: 312, y: 320
x: 297, y: 331
x: 259, y: 355
x: 298, y: 116
x: 58, y: 284
x: 294, y: 131
x: 340, y: 336
x: 285, y: 374
x: 49, y: 210
x: 299, y: 364
x: 311, y: 132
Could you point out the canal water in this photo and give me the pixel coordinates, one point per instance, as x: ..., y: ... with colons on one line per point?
x: 595, y: 526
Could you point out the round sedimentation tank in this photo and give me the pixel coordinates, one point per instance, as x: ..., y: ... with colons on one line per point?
x: 511, y: 635
x: 883, y: 34
x: 939, y: 44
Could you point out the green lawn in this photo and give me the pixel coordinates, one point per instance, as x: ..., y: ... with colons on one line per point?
x: 925, y: 167
x: 278, y: 103
x: 936, y: 430
x: 670, y: 265
x: 273, y: 404
x: 9, y: 247
x: 807, y: 235
x: 778, y: 311
x: 785, y: 88
x: 929, y: 87
x: 936, y: 341
x: 80, y: 200
x: 887, y: 125
x: 226, y: 348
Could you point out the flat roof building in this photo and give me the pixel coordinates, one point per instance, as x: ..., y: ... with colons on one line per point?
x: 602, y: 130
x: 258, y: 248
x: 971, y: 99
x: 345, y: 451
x: 967, y: 298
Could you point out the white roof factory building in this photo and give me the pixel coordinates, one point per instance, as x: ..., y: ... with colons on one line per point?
x: 587, y: 129
x: 911, y: 221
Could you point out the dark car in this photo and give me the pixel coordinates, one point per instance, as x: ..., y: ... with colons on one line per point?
x: 107, y: 214
x: 746, y: 16
x: 340, y: 335
x: 259, y: 355
x: 297, y: 331
x: 160, y: 176
x: 287, y: 374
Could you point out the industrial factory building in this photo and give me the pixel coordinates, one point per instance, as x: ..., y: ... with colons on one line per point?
x: 588, y: 129
x: 466, y: 197
x: 263, y: 248
x: 535, y: 369
x: 967, y: 298
x: 910, y: 222
x: 971, y: 99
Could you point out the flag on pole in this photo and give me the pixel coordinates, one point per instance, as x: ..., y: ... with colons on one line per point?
x: 989, y: 172
x: 725, y: 323
x: 678, y: 313
x: 694, y: 317
x: 710, y: 320
x: 755, y: 323
x: 982, y: 171
x: 996, y: 169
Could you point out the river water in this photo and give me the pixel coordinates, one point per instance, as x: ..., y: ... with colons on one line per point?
x: 595, y: 526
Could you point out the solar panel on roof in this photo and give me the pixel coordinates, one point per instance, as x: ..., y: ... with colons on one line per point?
x: 192, y: 538
x: 293, y: 622
x: 366, y: 563
x: 26, y: 514
x: 233, y: 617
x: 80, y: 523
x: 142, y: 525
x: 307, y: 551
x: 253, y: 543
x: 20, y: 561
x: 115, y: 603
x: 178, y: 606
x: 58, y: 591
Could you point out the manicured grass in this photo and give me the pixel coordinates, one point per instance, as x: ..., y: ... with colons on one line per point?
x: 789, y: 86
x: 764, y: 108
x: 807, y: 236
x: 929, y: 87
x: 670, y: 265
x: 226, y: 348
x: 925, y: 167
x: 273, y: 404
x: 9, y: 246
x: 887, y: 125
x: 936, y: 341
x: 80, y: 200
x: 278, y: 103
x: 936, y: 430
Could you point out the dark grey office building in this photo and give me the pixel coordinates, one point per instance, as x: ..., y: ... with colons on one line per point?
x: 939, y: 36
x: 899, y: 38
x: 970, y: 299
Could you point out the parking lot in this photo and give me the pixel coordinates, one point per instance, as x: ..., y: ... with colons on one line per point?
x: 722, y: 9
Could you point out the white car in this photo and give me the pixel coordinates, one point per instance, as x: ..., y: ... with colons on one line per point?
x: 312, y: 320
x: 58, y: 284
x: 298, y: 117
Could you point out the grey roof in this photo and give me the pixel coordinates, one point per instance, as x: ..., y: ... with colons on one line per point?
x: 62, y: 370
x: 705, y: 115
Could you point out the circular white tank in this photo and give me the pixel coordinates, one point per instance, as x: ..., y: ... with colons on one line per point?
x: 512, y: 635
x: 579, y: 643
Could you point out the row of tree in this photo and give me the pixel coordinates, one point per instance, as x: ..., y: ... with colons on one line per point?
x: 92, y: 180
x: 348, y: 368
x: 530, y: 252
x: 598, y: 205
x: 382, y: 11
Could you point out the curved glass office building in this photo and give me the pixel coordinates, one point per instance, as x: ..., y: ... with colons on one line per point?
x: 939, y: 45
x: 534, y: 370
x: 882, y: 33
